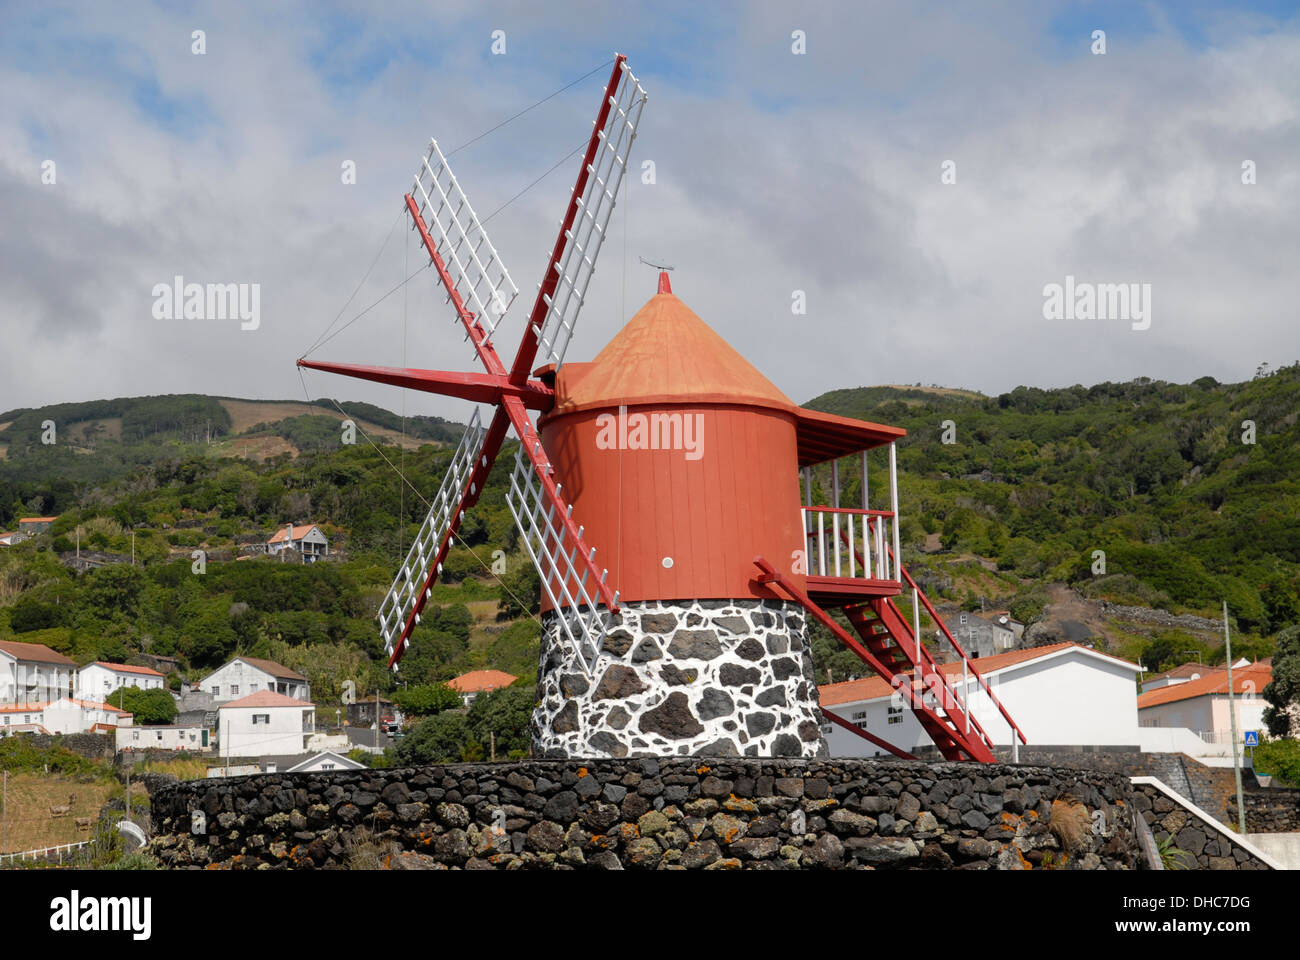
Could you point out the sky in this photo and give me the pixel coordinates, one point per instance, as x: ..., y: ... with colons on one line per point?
x: 127, y: 159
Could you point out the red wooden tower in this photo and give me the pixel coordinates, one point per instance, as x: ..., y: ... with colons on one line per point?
x: 674, y: 461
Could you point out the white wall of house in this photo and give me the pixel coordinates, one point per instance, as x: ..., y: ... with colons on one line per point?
x: 238, y: 679
x: 264, y: 731
x: 1208, y: 715
x: 163, y: 738
x: 1071, y: 698
x: 96, y: 682
x: 69, y: 716
x: 25, y: 681
x: 25, y: 717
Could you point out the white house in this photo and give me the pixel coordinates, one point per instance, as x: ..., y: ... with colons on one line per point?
x: 306, y: 540
x: 69, y: 715
x: 1180, y: 674
x: 22, y: 718
x: 1059, y: 695
x: 1201, y: 705
x: 245, y: 675
x: 326, y: 760
x: 33, y: 673
x: 99, y: 679
x: 265, y: 723
x: 169, y: 737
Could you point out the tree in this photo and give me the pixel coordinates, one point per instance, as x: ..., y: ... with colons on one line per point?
x: 1283, y: 691
x: 148, y: 707
x: 506, y: 714
x: 426, y: 699
x: 437, y: 739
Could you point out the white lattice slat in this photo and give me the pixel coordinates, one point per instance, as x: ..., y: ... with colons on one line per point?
x: 404, y: 597
x: 584, y: 238
x: 475, y: 268
x: 563, y: 564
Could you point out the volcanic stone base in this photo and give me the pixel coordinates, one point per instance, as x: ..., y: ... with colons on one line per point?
x: 719, y: 678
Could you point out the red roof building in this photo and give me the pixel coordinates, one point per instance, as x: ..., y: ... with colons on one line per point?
x: 470, y: 685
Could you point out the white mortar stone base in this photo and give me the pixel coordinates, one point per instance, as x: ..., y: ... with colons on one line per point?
x: 684, y: 678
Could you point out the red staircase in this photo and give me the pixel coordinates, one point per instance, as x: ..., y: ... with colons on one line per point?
x: 886, y: 642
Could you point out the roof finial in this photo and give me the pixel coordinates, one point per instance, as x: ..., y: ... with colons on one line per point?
x: 663, y: 268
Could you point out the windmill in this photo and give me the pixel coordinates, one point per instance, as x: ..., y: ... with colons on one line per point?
x: 480, y: 290
x: 689, y: 634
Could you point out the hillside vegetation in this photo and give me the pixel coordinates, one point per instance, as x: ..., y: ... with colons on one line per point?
x: 1153, y: 474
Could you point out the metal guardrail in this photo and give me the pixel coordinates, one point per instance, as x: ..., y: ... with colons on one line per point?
x: 42, y: 853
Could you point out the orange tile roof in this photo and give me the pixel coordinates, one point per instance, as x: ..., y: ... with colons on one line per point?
x: 1183, y: 670
x: 37, y: 519
x: 298, y: 533
x: 94, y: 705
x: 265, y: 698
x: 476, y: 681
x: 35, y: 652
x: 870, y: 688
x: 23, y: 708
x: 1250, y: 679
x: 126, y: 668
x: 665, y: 353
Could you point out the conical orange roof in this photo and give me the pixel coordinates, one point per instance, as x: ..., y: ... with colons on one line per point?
x: 665, y: 354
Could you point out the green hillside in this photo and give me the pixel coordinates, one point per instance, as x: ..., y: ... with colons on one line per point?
x: 1154, y: 474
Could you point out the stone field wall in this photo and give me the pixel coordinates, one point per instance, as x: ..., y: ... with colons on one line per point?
x: 674, y: 813
x: 1203, y: 847
x: 1269, y: 811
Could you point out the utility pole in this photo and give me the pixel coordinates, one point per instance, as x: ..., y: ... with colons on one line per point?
x: 1232, y: 716
x: 492, y: 739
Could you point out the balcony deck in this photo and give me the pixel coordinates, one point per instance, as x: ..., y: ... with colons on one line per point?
x: 837, y: 591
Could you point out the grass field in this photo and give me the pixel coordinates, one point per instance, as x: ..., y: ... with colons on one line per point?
x: 248, y: 413
x: 182, y: 768
x: 26, y: 814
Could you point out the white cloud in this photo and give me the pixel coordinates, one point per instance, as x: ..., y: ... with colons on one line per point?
x: 775, y: 172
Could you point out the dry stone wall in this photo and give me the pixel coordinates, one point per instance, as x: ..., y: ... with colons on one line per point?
x: 669, y: 814
x: 1270, y: 810
x: 694, y: 678
x: 1202, y: 846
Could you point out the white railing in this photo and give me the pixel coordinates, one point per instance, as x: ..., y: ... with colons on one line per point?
x: 43, y: 852
x: 849, y: 543
x: 853, y: 542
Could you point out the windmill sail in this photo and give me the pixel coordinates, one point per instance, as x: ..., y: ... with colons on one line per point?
x: 564, y: 562
x: 571, y: 271
x: 477, y: 276
x: 399, y: 612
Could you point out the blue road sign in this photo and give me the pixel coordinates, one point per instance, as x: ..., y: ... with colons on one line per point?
x: 1252, y: 738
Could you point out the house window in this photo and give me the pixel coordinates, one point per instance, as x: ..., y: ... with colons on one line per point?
x: 234, y: 689
x: 895, y: 714
x: 327, y: 766
x: 261, y: 718
x: 252, y: 688
x: 27, y: 718
x: 160, y: 736
x: 135, y: 735
x: 6, y: 721
x: 216, y: 691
